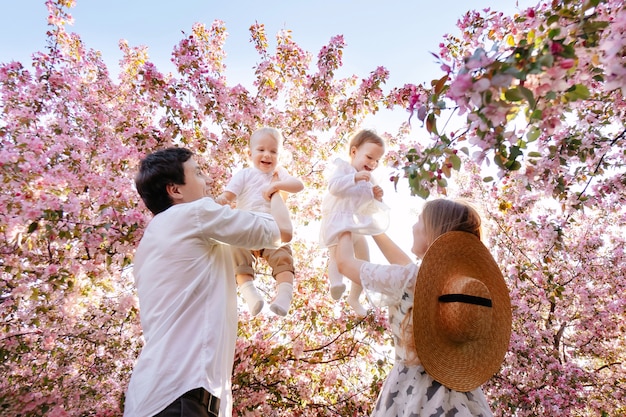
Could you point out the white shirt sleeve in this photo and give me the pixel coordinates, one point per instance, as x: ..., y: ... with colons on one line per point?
x: 235, y: 227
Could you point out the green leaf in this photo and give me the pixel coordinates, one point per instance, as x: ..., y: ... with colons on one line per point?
x: 515, y: 152
x: 455, y: 161
x: 577, y: 92
x: 514, y: 165
x: 520, y: 75
x: 499, y: 160
x: 552, y: 19
x: 568, y: 51
x: 546, y: 60
x: 513, y: 94
x: 422, y: 192
x: 533, y: 134
x: 553, y: 32
x: 33, y: 226
x: 536, y: 115
x: 528, y: 95
x: 591, y: 26
x: 520, y: 93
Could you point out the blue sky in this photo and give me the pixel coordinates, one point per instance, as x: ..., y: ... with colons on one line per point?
x: 396, y: 34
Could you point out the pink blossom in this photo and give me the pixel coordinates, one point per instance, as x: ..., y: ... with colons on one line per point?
x: 460, y: 85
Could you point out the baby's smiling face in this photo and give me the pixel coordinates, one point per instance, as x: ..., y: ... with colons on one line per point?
x: 367, y: 156
x: 264, y: 151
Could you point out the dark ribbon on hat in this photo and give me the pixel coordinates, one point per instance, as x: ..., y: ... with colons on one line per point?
x: 464, y: 298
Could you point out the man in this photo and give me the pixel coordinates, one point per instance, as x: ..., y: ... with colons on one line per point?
x: 187, y: 295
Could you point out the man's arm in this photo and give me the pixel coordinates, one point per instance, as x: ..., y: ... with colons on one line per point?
x: 279, y: 211
x: 288, y: 184
x: 235, y: 227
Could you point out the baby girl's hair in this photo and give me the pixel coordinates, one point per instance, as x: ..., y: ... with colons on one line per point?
x: 273, y: 132
x: 440, y: 216
x: 365, y: 136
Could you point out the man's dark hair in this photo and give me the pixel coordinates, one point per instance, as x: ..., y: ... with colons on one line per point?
x: 158, y: 170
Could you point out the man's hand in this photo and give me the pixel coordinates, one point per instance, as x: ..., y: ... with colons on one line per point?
x: 269, y: 192
x: 273, y: 187
x: 287, y: 185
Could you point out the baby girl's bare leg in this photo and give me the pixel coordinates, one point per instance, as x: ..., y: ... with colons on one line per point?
x: 361, y: 251
x: 337, y: 287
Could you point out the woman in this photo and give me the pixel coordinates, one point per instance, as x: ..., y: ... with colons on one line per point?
x: 409, y: 389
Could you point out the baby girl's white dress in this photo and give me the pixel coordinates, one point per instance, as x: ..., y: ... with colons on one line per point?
x: 350, y: 206
x: 408, y: 390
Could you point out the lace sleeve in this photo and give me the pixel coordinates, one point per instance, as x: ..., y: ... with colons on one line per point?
x: 385, y: 284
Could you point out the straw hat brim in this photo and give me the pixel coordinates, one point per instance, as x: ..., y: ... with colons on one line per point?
x: 459, y: 366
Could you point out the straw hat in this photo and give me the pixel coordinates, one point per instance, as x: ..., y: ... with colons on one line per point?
x: 461, y: 312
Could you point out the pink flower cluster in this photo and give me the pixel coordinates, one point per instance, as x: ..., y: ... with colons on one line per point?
x: 613, y: 46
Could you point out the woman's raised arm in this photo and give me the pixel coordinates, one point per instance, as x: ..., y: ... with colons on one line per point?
x: 390, y: 250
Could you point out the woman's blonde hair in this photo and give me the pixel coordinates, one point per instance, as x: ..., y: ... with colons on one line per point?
x: 440, y: 216
x: 443, y: 215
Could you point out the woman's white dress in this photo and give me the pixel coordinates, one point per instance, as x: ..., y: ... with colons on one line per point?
x: 408, y: 390
x: 350, y: 206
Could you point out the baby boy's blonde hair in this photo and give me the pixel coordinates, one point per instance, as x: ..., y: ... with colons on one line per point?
x: 273, y: 132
